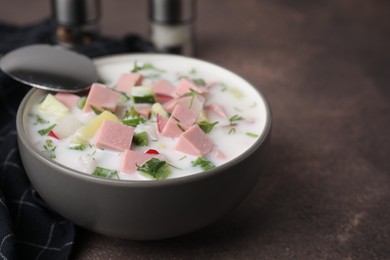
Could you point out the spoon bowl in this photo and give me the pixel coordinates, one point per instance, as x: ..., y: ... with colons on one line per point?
x: 50, y: 68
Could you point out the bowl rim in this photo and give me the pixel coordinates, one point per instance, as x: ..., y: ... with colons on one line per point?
x: 23, y: 137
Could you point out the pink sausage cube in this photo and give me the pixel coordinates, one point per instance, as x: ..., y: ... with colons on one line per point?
x: 185, y: 86
x: 184, y: 116
x: 127, y: 81
x: 172, y: 128
x: 194, y: 142
x: 163, y: 87
x: 114, y: 136
x: 217, y: 109
x: 144, y: 110
x: 68, y: 99
x: 131, y: 160
x: 169, y: 105
x: 101, y: 97
x: 194, y: 103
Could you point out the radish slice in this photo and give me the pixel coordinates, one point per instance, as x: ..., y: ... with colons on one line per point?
x: 52, y: 134
x: 152, y: 151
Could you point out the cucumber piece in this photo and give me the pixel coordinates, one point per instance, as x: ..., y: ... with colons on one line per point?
x: 142, y: 94
x: 157, y: 108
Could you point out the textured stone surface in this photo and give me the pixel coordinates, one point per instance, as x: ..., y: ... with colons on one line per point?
x: 324, y: 67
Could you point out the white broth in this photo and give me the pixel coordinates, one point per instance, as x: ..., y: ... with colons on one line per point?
x: 243, y: 126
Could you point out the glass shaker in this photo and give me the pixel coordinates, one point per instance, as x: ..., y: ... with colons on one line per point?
x: 171, y: 25
x: 77, y: 21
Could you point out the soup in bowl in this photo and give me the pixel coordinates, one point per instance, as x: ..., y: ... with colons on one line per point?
x: 161, y: 146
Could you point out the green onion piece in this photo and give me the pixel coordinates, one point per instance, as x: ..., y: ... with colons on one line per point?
x: 81, y: 102
x: 233, y: 120
x: 146, y: 66
x: 133, y: 121
x: 78, y: 147
x: 252, y: 134
x: 40, y: 120
x: 132, y: 113
x: 141, y: 139
x: 180, y: 127
x: 191, y: 94
x: 206, y: 126
x: 224, y: 88
x: 232, y: 130
x: 101, y: 81
x: 45, y: 131
x: 155, y: 168
x: 203, y: 163
x: 50, y: 148
x: 96, y: 110
x: 199, y: 82
x: 105, y: 173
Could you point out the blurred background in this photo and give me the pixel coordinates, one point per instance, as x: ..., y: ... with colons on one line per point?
x: 324, y: 68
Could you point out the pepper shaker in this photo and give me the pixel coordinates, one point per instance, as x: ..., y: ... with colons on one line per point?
x: 76, y: 21
x: 171, y: 25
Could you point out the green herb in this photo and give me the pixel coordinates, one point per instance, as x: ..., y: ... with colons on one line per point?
x: 78, y: 147
x: 203, y: 163
x: 233, y: 120
x: 146, y: 66
x: 232, y: 130
x: 93, y: 151
x: 132, y: 113
x: 193, y: 71
x: 81, y: 102
x: 191, y: 94
x: 96, y: 110
x: 50, y: 148
x: 105, y: 173
x: 101, y: 81
x: 206, y: 126
x: 180, y: 127
x: 141, y: 139
x: 155, y: 168
x: 133, y: 118
x: 199, y: 82
x: 45, y: 131
x: 152, y: 76
x: 252, y: 134
x: 40, y: 120
x: 133, y: 121
x: 224, y: 87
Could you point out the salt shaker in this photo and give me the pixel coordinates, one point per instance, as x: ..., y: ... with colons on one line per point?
x: 171, y: 25
x: 77, y: 21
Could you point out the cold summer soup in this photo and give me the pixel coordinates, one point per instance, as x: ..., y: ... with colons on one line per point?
x: 147, y: 120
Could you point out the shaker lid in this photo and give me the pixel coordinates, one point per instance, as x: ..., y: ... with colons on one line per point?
x: 171, y: 11
x: 75, y: 12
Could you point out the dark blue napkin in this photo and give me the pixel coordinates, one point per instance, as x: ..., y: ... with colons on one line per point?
x: 29, y: 229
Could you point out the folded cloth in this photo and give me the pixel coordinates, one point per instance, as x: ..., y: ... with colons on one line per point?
x: 29, y: 229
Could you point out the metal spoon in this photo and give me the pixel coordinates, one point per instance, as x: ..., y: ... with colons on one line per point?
x: 50, y: 68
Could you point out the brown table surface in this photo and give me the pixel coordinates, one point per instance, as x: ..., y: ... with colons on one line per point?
x: 324, y: 66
